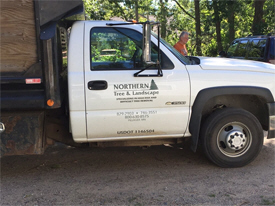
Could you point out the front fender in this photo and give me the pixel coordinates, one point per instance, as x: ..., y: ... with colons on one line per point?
x: 206, y: 94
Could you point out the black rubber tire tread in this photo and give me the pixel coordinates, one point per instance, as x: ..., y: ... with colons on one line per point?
x: 216, y: 121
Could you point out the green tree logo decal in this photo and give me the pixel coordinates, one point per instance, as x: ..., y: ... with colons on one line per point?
x: 153, y: 85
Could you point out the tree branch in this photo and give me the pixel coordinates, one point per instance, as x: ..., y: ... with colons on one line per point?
x: 184, y: 9
x: 121, y: 10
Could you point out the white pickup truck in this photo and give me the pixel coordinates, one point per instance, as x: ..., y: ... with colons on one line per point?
x: 224, y: 103
x: 120, y: 85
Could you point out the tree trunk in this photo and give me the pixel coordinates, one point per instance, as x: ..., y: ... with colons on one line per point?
x: 218, y: 25
x: 136, y: 9
x: 231, y: 16
x: 163, y: 20
x: 258, y: 22
x: 198, y: 27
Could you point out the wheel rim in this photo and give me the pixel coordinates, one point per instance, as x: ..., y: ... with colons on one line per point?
x: 234, y: 139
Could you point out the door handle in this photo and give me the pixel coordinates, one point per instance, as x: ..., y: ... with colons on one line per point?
x: 97, y: 85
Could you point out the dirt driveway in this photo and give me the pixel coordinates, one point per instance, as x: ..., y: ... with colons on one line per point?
x: 159, y: 175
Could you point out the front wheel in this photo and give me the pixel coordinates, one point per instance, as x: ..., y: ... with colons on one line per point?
x: 232, y: 137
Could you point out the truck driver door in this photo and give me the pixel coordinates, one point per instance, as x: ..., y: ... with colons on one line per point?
x: 120, y: 106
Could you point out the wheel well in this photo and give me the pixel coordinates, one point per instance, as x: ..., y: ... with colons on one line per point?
x: 251, y: 103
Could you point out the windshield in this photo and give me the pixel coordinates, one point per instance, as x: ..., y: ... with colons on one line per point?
x: 182, y: 58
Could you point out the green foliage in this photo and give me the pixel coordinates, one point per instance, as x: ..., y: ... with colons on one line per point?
x: 125, y: 9
x: 174, y: 20
x: 110, y: 47
x: 269, y: 16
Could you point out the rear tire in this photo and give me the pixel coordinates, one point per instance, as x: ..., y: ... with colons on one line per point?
x: 232, y: 137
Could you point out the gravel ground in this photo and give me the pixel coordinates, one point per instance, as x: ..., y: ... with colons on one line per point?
x: 159, y: 175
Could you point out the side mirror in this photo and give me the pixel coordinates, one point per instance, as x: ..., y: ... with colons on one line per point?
x: 222, y: 54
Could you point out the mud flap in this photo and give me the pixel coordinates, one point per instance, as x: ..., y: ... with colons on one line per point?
x: 23, y: 133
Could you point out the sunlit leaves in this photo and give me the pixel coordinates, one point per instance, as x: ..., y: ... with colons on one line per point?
x: 174, y: 19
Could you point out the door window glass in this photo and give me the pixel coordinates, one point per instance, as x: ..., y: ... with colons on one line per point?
x: 121, y: 49
x: 241, y: 49
x: 257, y: 49
x: 232, y: 48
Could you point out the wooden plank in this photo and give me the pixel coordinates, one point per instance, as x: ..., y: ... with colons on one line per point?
x: 20, y: 66
x: 15, y: 30
x: 17, y: 45
x: 18, y: 35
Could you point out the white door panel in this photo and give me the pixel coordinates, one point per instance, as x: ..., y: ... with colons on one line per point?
x: 163, y: 110
x: 135, y: 107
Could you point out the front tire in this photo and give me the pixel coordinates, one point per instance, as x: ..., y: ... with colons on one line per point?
x: 232, y: 137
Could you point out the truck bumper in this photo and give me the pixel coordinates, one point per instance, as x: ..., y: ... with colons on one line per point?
x: 271, y: 128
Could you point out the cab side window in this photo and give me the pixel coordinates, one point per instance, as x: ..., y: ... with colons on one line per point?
x: 241, y: 49
x: 257, y: 49
x: 232, y: 48
x: 120, y: 49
